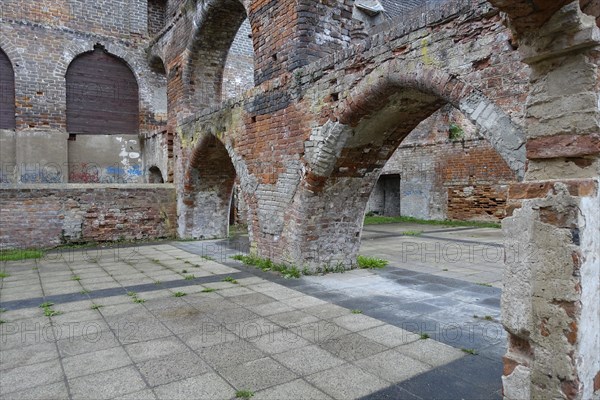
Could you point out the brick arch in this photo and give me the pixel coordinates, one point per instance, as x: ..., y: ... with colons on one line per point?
x: 432, y: 88
x: 112, y: 111
x: 207, y: 49
x: 138, y: 67
x: 208, y: 187
x: 359, y: 137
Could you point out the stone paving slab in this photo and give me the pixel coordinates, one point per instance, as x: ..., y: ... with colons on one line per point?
x: 277, y: 338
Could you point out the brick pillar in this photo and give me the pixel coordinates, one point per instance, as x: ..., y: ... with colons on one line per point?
x: 551, y: 297
x: 289, y: 34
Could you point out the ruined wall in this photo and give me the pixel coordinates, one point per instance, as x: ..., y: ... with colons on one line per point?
x: 41, y: 39
x: 50, y: 215
x: 309, y: 145
x: 239, y: 67
x: 448, y: 171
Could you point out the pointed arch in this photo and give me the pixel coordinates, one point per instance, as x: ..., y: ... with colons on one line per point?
x: 7, y: 93
x: 102, y: 95
x: 208, y: 48
x: 418, y: 91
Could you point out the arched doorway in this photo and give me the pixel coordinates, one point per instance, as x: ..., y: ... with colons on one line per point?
x: 103, y: 119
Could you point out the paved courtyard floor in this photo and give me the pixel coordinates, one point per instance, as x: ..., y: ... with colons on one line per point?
x: 182, y: 320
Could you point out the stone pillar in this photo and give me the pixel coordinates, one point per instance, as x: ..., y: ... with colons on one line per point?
x: 551, y: 297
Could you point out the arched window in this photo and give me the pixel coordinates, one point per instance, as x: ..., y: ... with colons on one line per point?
x: 102, y: 95
x: 7, y: 93
x: 154, y: 175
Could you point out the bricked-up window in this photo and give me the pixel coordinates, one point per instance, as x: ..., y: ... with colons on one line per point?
x: 157, y: 11
x: 102, y: 95
x: 238, y: 75
x: 7, y: 93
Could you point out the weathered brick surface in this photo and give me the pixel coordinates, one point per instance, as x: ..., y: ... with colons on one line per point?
x: 443, y: 178
x: 41, y: 39
x: 46, y: 215
x: 325, y: 131
x: 332, y: 104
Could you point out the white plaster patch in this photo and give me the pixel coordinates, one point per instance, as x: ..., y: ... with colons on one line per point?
x: 588, y: 359
x: 516, y: 385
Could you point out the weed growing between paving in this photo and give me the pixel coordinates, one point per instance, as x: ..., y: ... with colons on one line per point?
x: 244, y: 394
x: 18, y: 255
x: 366, y: 262
x: 48, y: 311
x: 230, y: 280
x: 377, y: 220
x: 266, y: 264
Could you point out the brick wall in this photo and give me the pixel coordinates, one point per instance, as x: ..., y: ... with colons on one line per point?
x: 238, y: 75
x: 50, y: 215
x: 41, y: 39
x: 464, y: 179
x: 157, y: 15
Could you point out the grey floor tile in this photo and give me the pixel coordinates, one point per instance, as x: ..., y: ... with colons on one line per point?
x: 106, y: 385
x: 308, y: 360
x: 230, y: 353
x: 326, y: 311
x: 25, y: 313
x: 252, y: 299
x: 97, y: 361
x: 392, y: 366
x: 147, y: 394
x: 147, y: 350
x: 21, y: 356
x: 56, y: 390
x: 258, y: 374
x: 93, y: 339
x: 346, y: 382
x: 204, y: 387
x: 18, y: 379
x: 431, y: 352
x: 273, y: 307
x: 319, y: 331
x: 278, y: 341
x: 390, y: 335
x: 353, y: 347
x: 208, y: 335
x: 298, y: 389
x: 173, y: 367
x: 233, y: 315
x: 302, y: 302
x: 293, y: 318
x: 135, y: 330
x: 356, y: 322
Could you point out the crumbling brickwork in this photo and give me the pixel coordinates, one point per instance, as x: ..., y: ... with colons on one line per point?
x: 47, y: 216
x: 331, y: 105
x: 41, y: 40
x: 447, y: 177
